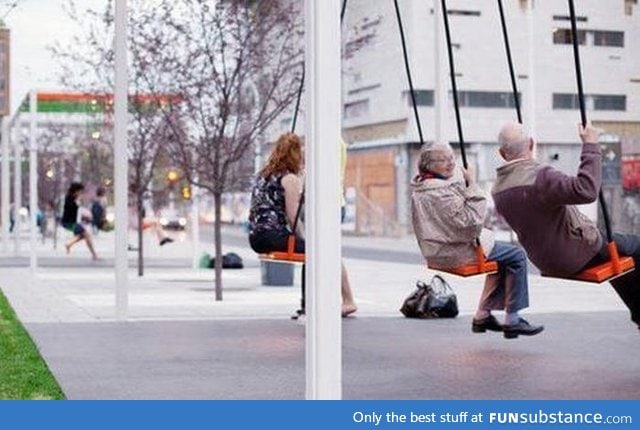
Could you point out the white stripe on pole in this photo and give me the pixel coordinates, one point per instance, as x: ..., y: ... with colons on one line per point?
x: 323, y: 327
x: 17, y: 187
x: 33, y: 179
x: 5, y: 184
x: 120, y: 158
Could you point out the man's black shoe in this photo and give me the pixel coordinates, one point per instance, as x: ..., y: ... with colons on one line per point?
x: 489, y: 323
x: 512, y: 331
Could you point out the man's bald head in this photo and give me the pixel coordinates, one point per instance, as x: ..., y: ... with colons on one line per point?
x: 514, y: 142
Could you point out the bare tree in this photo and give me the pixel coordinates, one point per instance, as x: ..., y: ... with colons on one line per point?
x: 91, y: 68
x: 236, y: 66
x: 233, y: 67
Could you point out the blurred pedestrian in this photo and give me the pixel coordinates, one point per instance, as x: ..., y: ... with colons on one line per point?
x: 99, y: 213
x: 70, y: 219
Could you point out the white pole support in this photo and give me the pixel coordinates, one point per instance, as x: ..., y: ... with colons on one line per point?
x: 33, y: 180
x: 6, y: 186
x: 120, y: 159
x: 323, y: 326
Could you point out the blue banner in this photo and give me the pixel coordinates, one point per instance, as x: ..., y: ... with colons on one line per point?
x: 307, y: 415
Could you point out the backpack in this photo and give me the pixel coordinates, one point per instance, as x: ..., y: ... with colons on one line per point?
x: 230, y: 260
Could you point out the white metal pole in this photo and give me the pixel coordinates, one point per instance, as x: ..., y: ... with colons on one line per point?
x: 33, y: 180
x: 17, y: 188
x: 323, y: 327
x: 6, y: 186
x: 120, y: 158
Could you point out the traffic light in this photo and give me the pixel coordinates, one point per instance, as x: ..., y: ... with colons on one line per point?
x: 186, y: 192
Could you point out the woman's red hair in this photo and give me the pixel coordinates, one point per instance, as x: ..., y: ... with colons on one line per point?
x: 286, y: 156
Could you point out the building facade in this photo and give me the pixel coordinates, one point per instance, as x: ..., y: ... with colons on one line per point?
x: 378, y: 122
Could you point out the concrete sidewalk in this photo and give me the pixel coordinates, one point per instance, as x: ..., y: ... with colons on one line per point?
x: 178, y: 342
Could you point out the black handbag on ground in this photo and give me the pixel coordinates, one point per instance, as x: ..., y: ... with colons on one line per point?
x: 433, y: 300
x: 230, y: 260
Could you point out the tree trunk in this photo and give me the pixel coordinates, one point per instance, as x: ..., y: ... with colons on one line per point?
x: 140, y: 237
x: 217, y: 238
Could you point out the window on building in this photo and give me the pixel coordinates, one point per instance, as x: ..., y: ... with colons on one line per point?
x: 488, y: 99
x: 356, y: 109
x: 565, y: 101
x: 423, y: 97
x: 609, y: 102
x: 464, y: 12
x: 608, y: 38
x: 562, y: 36
x: 612, y: 102
x: 628, y: 6
x: 568, y: 18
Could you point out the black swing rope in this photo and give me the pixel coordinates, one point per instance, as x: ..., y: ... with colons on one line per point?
x: 295, y: 117
x: 583, y: 111
x: 482, y: 266
x: 454, y: 87
x: 456, y: 106
x: 405, y: 56
x: 617, y: 265
x: 512, y: 75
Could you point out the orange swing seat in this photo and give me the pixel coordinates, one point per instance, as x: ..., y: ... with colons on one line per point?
x: 482, y: 267
x: 287, y: 256
x: 615, y: 267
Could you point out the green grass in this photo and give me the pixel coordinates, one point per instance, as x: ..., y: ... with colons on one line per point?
x: 23, y: 373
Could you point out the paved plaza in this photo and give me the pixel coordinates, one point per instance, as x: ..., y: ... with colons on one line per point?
x: 179, y: 343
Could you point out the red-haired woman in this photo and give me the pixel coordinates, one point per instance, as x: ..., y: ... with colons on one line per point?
x: 274, y: 204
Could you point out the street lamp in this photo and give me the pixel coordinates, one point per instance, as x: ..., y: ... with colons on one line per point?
x: 172, y: 177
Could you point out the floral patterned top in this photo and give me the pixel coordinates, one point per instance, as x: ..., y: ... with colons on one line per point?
x: 268, y: 211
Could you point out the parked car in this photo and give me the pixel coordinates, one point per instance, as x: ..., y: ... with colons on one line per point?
x: 171, y: 220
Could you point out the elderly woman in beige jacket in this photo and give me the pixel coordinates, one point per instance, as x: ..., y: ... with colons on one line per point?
x: 448, y: 210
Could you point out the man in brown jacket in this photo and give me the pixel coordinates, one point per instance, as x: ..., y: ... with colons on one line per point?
x: 539, y: 201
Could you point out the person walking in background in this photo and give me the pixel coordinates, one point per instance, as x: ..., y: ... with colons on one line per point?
x: 448, y: 213
x: 539, y: 203
x: 70, y: 219
x: 98, y: 212
x: 12, y: 217
x: 148, y: 222
x: 275, y: 199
